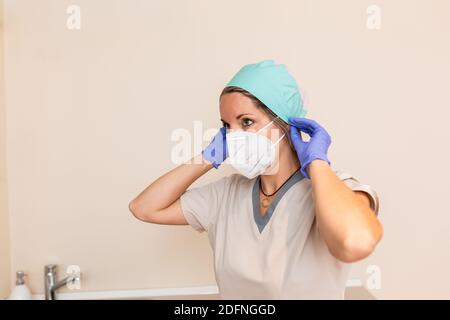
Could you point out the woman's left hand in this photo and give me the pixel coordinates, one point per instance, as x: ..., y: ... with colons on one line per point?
x: 315, y: 148
x: 344, y: 217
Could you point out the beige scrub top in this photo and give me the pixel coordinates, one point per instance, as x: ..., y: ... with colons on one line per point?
x: 278, y: 256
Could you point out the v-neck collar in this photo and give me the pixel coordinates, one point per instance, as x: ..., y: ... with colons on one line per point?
x: 261, y: 222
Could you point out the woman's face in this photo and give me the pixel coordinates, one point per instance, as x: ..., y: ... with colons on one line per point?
x: 239, y: 113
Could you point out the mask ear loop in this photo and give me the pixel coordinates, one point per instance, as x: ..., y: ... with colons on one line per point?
x: 279, y: 139
x: 274, y: 145
x: 264, y: 127
x: 267, y: 126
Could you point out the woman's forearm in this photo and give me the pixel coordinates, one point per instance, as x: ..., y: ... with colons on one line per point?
x: 169, y: 187
x: 346, y: 222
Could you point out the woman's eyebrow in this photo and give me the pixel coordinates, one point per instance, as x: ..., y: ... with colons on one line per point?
x: 242, y: 114
x: 237, y: 118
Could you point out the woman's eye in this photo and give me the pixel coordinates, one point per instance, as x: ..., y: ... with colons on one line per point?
x: 247, y: 122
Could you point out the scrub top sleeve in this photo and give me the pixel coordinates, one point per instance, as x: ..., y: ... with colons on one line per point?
x: 353, y: 183
x: 201, y: 204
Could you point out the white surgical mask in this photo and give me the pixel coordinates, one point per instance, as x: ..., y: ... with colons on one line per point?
x: 250, y: 153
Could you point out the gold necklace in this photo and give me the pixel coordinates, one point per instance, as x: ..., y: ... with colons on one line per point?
x: 265, y: 202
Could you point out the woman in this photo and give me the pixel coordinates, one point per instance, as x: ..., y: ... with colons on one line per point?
x: 287, y: 225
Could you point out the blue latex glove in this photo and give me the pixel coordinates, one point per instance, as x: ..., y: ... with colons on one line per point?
x: 315, y: 148
x: 216, y: 152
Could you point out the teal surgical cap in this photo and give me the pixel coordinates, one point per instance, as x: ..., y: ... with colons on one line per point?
x: 273, y: 85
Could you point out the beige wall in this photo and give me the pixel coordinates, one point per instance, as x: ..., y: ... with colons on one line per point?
x: 4, y: 221
x: 90, y: 115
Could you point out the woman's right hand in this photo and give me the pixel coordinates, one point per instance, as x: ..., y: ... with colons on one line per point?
x: 216, y: 152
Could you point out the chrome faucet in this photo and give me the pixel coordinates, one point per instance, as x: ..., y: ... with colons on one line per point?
x: 50, y: 281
